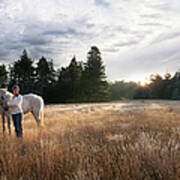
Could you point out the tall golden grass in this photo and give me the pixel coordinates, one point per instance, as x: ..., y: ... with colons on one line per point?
x: 95, y: 145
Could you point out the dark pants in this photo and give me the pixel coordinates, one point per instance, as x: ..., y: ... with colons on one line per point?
x: 17, y: 120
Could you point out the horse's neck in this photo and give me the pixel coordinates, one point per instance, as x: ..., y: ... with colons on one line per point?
x: 9, y: 95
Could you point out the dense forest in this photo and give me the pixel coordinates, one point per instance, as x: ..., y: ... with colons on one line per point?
x: 78, y: 82
x: 82, y: 81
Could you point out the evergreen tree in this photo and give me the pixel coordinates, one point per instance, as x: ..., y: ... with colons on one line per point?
x: 45, y: 77
x: 75, y: 71
x: 23, y: 73
x: 168, y: 88
x: 63, y: 85
x: 68, y: 86
x: 95, y: 87
x: 3, y: 76
x: 176, y: 86
x: 157, y: 86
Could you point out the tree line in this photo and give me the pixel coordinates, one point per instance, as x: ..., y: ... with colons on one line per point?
x: 82, y: 81
x: 78, y: 82
x: 161, y: 87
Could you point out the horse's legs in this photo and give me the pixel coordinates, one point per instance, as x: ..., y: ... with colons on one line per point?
x: 3, y: 122
x: 9, y: 124
x: 36, y: 115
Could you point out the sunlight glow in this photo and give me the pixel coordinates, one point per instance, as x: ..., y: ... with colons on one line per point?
x: 142, y: 80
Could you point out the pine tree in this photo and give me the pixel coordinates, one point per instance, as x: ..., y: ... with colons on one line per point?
x: 157, y: 86
x: 23, y: 73
x: 69, y: 82
x: 75, y: 71
x: 168, y: 88
x: 45, y: 77
x: 176, y: 86
x: 93, y: 80
x: 3, y: 76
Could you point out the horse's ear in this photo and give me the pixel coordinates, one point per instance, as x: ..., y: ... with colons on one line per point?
x: 3, y: 89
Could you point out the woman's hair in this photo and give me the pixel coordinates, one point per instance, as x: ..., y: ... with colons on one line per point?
x: 15, y: 86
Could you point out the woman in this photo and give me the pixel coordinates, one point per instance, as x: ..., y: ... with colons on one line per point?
x: 15, y: 106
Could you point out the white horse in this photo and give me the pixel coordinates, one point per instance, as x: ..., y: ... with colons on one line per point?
x: 31, y: 103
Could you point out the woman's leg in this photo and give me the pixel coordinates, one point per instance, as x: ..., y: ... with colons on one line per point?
x: 14, y: 117
x: 20, y: 130
x: 17, y: 120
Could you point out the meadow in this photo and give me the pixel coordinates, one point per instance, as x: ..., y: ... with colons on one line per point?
x: 110, y: 141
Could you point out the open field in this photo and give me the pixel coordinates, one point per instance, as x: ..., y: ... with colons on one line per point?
x: 123, y: 140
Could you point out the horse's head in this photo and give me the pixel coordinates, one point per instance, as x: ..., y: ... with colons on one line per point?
x: 2, y: 95
x: 5, y: 95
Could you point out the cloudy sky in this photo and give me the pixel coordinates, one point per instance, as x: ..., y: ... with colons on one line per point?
x: 136, y: 37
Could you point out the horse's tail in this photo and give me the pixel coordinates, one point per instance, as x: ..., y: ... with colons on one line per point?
x: 42, y: 113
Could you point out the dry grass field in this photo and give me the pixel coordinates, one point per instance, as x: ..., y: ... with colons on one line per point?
x: 108, y: 141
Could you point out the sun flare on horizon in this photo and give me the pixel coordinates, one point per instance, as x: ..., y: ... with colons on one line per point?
x: 141, y: 80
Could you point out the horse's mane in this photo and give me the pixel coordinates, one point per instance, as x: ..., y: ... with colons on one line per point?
x: 9, y: 94
x: 5, y: 92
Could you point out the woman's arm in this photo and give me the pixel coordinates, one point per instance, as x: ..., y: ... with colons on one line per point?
x: 15, y: 102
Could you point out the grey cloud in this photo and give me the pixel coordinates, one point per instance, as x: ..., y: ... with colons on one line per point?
x: 36, y: 40
x: 9, y: 46
x: 138, y: 34
x: 110, y: 50
x: 8, y: 55
x: 165, y: 37
x: 38, y: 52
x: 172, y: 59
x: 122, y: 29
x: 161, y: 6
x: 128, y: 43
x: 66, y: 32
x: 17, y: 42
x: 144, y: 61
x: 44, y: 38
x: 150, y: 16
x: 152, y: 24
x: 15, y: 46
x: 164, y: 6
x: 103, y: 3
x: 85, y: 22
x: 3, y: 3
x: 79, y: 28
x: 90, y: 25
x: 3, y: 53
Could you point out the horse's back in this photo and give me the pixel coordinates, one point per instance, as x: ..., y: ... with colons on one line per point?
x: 32, y: 102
